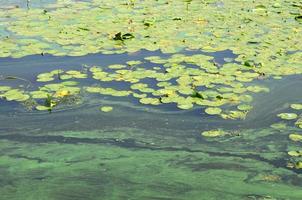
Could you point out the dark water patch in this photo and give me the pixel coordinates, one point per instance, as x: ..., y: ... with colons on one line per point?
x: 266, y: 106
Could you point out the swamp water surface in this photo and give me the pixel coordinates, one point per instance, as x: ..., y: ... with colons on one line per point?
x: 147, y: 124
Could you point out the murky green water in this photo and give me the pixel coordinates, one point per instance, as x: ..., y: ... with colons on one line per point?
x: 142, y: 152
x: 152, y: 151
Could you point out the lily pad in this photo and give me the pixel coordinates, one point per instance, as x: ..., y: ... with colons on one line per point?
x: 106, y: 108
x: 214, y: 133
x: 288, y: 116
x: 244, y: 107
x: 213, y: 111
x: 42, y: 108
x: 295, y: 137
x: 295, y: 153
x: 296, y: 106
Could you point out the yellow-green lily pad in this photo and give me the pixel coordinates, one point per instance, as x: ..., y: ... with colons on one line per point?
x: 288, y: 116
x: 214, y: 133
x: 213, y: 111
x: 296, y: 106
x: 42, y: 108
x: 295, y: 137
x: 106, y: 108
x: 295, y: 153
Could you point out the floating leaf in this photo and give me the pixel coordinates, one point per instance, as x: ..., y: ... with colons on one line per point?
x: 295, y: 153
x: 152, y: 101
x: 299, y: 123
x: 213, y: 111
x: 279, y: 126
x: 106, y: 108
x: 288, y: 116
x: 185, y: 106
x: 244, y: 107
x: 295, y: 137
x: 4, y: 88
x: 42, y: 108
x: 214, y: 133
x: 296, y: 106
x: 62, y: 93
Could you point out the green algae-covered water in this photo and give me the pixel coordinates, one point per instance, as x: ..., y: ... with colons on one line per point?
x: 150, y: 100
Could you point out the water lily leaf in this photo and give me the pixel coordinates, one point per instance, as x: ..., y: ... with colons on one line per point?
x: 93, y: 89
x: 185, y: 106
x: 62, y: 93
x: 133, y: 62
x: 39, y: 94
x: 295, y: 137
x: 138, y: 86
x: 299, y: 123
x: 214, y: 133
x: 234, y: 114
x: 45, y: 79
x: 42, y: 108
x: 295, y: 153
x: 73, y: 72
x: 288, y: 116
x: 151, y: 101
x: 298, y: 165
x: 296, y: 106
x: 163, y: 84
x: 4, y: 88
x: 65, y: 77
x: 140, y: 96
x: 279, y: 126
x: 244, y: 107
x: 15, y: 95
x: 106, y: 108
x: 213, y: 111
x: 116, y: 66
x: 69, y: 83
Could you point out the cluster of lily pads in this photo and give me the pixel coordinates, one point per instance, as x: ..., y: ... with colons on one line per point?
x: 263, y: 34
x: 45, y: 98
x: 183, y: 80
x: 296, y: 136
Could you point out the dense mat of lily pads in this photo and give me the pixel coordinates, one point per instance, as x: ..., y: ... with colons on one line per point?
x: 264, y: 36
x: 261, y: 32
x: 179, y: 79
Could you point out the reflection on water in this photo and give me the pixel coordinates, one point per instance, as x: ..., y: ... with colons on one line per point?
x: 142, y: 152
